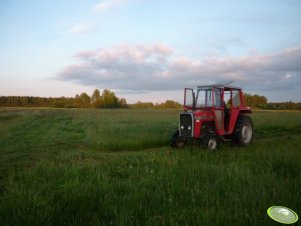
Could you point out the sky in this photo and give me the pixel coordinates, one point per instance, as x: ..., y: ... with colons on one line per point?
x: 149, y: 50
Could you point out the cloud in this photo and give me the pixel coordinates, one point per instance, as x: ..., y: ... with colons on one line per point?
x: 95, y: 20
x: 81, y: 28
x: 108, y: 4
x: 155, y: 67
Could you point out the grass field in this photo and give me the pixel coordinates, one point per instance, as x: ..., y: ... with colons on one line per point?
x: 115, y: 167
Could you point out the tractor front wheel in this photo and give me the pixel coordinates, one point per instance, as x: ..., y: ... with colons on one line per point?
x: 211, y: 141
x: 176, y: 142
x: 243, y: 132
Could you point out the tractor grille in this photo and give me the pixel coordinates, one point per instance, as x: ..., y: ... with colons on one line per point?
x: 186, y: 125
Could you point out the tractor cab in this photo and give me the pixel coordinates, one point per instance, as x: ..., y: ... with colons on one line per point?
x: 213, y: 110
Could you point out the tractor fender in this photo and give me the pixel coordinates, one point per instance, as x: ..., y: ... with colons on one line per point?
x: 245, y: 111
x: 235, y: 115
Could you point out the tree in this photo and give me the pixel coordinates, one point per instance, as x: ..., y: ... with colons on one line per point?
x: 77, y: 101
x: 255, y: 101
x: 122, y: 103
x: 85, y: 100
x: 109, y: 100
x: 96, y: 99
x: 141, y: 105
x: 171, y: 104
x: 59, y: 102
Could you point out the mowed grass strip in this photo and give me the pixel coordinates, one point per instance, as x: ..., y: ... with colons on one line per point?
x: 35, y: 134
x: 75, y: 179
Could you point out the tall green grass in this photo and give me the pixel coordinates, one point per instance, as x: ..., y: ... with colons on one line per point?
x: 90, y: 167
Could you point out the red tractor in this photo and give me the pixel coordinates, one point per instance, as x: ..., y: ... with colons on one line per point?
x: 216, y: 112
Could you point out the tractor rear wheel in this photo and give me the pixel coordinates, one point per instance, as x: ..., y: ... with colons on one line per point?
x: 176, y: 142
x: 243, y: 132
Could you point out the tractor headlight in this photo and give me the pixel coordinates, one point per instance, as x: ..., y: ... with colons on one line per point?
x: 189, y: 127
x: 182, y: 127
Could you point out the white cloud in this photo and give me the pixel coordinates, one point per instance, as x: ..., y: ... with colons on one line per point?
x: 81, y: 28
x: 94, y: 21
x: 108, y: 4
x: 154, y: 67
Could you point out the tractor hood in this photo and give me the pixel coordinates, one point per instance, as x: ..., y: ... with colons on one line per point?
x: 203, y: 115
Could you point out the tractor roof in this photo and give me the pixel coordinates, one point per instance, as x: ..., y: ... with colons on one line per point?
x: 220, y: 86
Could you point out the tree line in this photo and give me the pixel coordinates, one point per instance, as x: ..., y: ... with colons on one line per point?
x: 284, y: 106
x: 108, y: 99
x: 166, y: 104
x: 257, y: 101
x: 29, y: 101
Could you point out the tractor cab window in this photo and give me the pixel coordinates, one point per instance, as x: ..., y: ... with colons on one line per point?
x: 227, y: 98
x: 232, y: 98
x: 235, y: 98
x: 204, y: 98
x: 217, y: 97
